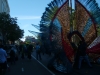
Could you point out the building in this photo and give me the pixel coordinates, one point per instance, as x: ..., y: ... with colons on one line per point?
x: 30, y: 39
x: 4, y: 6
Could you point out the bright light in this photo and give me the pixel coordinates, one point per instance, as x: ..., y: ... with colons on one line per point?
x: 23, y: 39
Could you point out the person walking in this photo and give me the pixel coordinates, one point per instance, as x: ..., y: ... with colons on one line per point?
x: 82, y: 53
x: 3, y: 59
x: 29, y: 50
x: 38, y: 51
x: 12, y: 55
x: 22, y: 51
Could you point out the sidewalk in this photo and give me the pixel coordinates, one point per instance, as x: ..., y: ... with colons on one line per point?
x: 85, y: 69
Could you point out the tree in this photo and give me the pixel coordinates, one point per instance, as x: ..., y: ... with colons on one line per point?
x: 9, y: 28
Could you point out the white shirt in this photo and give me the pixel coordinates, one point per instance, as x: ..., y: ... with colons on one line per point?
x: 3, y: 55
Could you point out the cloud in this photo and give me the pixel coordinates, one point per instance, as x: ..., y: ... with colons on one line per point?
x: 28, y: 17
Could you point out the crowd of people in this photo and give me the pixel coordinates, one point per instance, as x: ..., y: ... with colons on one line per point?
x: 25, y: 50
x: 15, y: 51
x: 3, y: 59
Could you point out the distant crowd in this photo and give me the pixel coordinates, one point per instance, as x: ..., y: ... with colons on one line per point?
x: 13, y: 52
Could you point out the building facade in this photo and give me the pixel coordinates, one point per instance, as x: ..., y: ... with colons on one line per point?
x: 4, y: 6
x: 30, y: 39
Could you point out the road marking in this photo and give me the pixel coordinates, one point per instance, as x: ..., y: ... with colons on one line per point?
x: 43, y: 66
x: 22, y: 69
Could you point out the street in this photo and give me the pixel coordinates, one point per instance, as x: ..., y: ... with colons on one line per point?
x: 28, y: 67
x: 39, y: 67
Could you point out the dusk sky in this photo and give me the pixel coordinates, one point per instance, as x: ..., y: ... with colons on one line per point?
x: 29, y: 12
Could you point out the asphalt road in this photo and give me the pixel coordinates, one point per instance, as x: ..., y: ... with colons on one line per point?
x: 85, y: 69
x: 39, y: 67
x: 28, y: 67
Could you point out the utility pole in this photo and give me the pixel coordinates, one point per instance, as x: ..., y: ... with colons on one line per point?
x: 71, y: 18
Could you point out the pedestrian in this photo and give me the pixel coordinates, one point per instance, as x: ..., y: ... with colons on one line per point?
x: 29, y: 50
x: 3, y: 59
x: 76, y: 56
x: 22, y: 51
x: 38, y: 51
x: 82, y: 53
x: 12, y: 55
x: 42, y: 48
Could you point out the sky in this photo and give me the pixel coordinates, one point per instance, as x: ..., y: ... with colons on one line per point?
x: 29, y: 12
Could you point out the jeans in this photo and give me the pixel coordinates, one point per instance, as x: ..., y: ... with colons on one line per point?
x: 87, y: 60
x: 38, y: 55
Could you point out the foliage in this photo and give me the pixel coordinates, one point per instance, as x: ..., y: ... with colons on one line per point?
x: 9, y: 27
